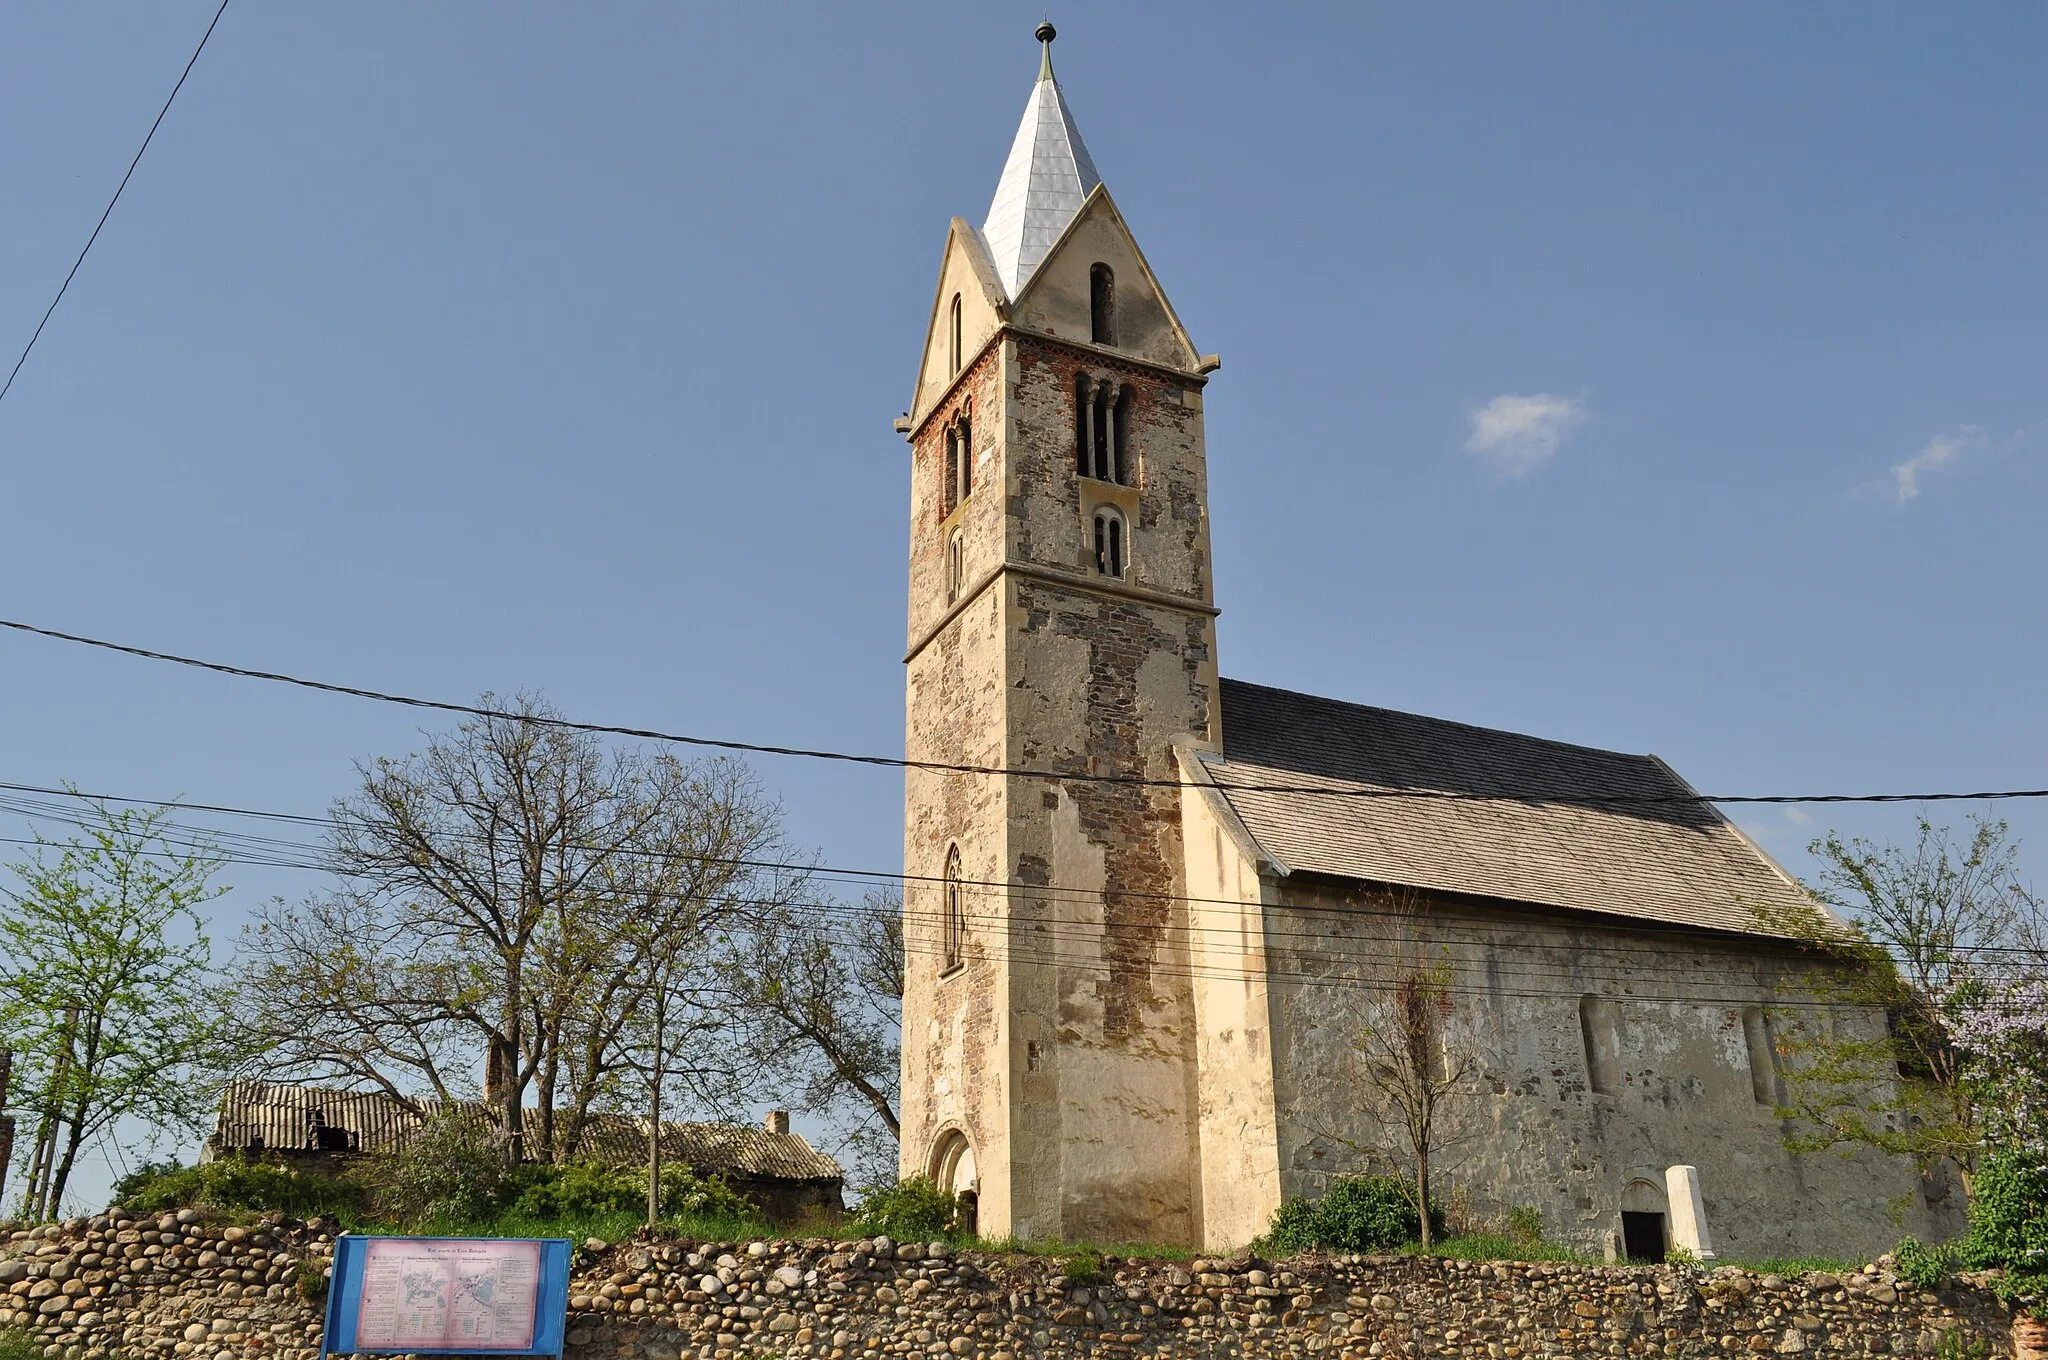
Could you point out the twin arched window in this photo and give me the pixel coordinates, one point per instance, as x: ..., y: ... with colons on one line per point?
x: 1101, y: 305
x: 1111, y: 542
x: 1102, y: 430
x: 959, y: 459
x: 953, y: 915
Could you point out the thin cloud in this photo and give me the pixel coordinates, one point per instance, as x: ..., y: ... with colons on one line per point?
x: 1939, y: 452
x: 1519, y: 434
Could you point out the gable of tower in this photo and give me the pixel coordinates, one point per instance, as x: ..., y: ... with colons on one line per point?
x: 1062, y: 295
x: 967, y: 281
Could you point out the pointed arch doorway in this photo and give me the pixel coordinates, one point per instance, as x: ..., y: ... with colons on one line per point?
x: 953, y: 1170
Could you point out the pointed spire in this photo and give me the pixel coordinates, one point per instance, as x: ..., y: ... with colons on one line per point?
x: 1044, y: 182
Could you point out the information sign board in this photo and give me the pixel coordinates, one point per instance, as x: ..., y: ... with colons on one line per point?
x: 448, y: 1295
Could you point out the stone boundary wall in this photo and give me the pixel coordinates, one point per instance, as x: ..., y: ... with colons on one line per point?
x: 117, y: 1287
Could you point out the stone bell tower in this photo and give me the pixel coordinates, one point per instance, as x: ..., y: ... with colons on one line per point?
x: 1061, y: 620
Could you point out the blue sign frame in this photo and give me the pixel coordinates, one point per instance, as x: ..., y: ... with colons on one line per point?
x: 345, y: 1299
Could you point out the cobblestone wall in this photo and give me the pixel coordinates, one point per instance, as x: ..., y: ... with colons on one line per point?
x: 177, y: 1285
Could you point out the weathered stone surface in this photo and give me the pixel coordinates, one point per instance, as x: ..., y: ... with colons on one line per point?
x: 860, y: 1305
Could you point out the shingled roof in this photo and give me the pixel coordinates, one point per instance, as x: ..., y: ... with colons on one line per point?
x: 260, y: 1115
x: 1527, y: 825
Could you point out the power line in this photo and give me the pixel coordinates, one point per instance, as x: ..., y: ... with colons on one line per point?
x: 63, y: 287
x: 1055, y: 776
x: 267, y: 852
x: 1331, y: 947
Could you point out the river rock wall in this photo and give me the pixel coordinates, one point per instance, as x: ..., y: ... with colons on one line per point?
x: 118, y: 1287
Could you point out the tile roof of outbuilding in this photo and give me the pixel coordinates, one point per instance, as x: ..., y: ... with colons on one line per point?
x: 277, y: 1116
x: 1528, y: 826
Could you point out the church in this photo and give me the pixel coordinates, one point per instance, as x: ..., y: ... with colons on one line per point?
x: 1145, y: 925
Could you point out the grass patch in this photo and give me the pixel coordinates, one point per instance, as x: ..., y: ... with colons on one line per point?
x: 1064, y: 1251
x: 611, y: 1227
x: 1497, y: 1247
x: 1790, y: 1266
x: 16, y: 1344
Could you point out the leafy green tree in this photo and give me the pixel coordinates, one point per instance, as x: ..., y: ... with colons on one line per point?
x: 1920, y: 935
x: 105, y: 971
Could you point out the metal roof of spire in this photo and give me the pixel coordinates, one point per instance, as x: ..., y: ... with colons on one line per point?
x: 1044, y: 182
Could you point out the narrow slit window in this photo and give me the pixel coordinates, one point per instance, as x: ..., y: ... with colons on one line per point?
x: 955, y: 566
x: 1601, y: 1034
x: 1084, y: 460
x: 1101, y: 305
x: 953, y: 328
x: 949, y: 495
x: 1100, y: 432
x: 966, y: 454
x: 1109, y: 542
x: 1120, y: 431
x: 953, y: 927
x: 1763, y: 1055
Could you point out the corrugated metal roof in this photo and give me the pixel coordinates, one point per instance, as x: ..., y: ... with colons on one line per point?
x: 1541, y: 835
x: 283, y: 1117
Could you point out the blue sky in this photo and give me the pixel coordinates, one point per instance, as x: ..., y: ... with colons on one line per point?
x: 1661, y: 378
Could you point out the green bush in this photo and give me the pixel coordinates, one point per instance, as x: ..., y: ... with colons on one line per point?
x: 1525, y: 1225
x: 574, y: 1190
x: 2009, y: 1226
x: 909, y: 1211
x: 450, y: 1170
x: 232, y: 1183
x: 1359, y: 1213
x: 1294, y: 1227
x: 1926, y: 1267
x: 685, y: 1194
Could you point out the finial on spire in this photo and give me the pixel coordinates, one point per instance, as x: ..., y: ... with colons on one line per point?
x: 1045, y: 33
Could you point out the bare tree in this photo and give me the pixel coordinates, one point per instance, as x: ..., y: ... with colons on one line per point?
x: 508, y: 894
x: 818, y: 990
x: 1404, y: 1078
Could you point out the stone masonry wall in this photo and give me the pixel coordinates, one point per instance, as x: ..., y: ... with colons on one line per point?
x: 177, y: 1285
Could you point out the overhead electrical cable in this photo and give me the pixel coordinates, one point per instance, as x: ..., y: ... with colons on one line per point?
x: 1054, y: 932
x: 150, y: 136
x: 1054, y: 776
x: 314, y: 858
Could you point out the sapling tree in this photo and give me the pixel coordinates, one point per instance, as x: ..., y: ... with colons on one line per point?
x: 104, y: 987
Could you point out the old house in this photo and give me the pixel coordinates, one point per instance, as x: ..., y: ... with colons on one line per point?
x: 777, y: 1169
x: 1131, y: 987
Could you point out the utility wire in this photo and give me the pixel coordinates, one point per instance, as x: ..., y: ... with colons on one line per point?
x: 1055, y: 776
x: 1361, y: 950
x: 63, y: 287
x: 276, y: 852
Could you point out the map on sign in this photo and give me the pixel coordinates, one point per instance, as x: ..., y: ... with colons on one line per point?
x: 441, y: 1294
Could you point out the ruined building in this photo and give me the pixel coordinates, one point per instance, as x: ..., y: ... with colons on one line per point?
x: 1133, y: 990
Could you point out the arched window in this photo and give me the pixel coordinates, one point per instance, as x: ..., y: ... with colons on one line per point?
x: 953, y: 923
x: 959, y: 472
x: 954, y: 327
x: 1110, y: 548
x: 955, y: 563
x: 1101, y: 305
x: 1102, y: 430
